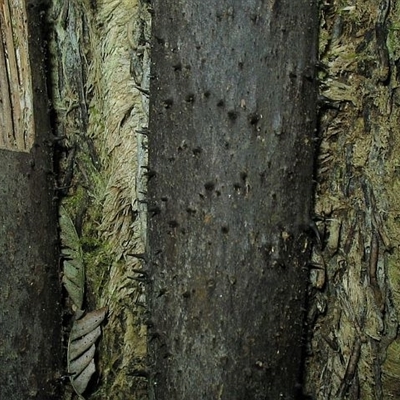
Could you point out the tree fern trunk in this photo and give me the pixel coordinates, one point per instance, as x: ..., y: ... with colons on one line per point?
x: 355, y: 302
x: 99, y: 67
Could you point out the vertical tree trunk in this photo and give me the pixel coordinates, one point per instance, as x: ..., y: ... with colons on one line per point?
x: 232, y: 121
x: 354, y: 308
x: 30, y: 341
x: 99, y: 70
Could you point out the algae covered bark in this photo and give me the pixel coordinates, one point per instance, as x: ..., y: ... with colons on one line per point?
x: 98, y: 55
x: 355, y: 301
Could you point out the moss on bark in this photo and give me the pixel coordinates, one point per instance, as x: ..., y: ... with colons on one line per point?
x: 99, y: 53
x: 354, y: 307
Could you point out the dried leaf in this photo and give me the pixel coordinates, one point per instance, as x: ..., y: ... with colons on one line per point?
x: 69, y: 235
x: 82, y: 347
x: 74, y: 271
x: 72, y: 281
x: 79, y: 364
x: 81, y: 381
x: 77, y: 347
x: 88, y: 323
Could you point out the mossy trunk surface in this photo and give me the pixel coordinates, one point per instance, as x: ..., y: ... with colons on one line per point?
x: 99, y: 57
x: 354, y: 343
x: 231, y: 151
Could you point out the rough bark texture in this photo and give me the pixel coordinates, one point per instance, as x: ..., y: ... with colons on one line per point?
x: 99, y: 66
x: 30, y: 319
x: 231, y: 162
x: 16, y: 116
x: 354, y: 351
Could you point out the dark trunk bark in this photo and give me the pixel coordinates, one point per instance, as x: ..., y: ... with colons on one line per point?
x: 30, y: 323
x: 231, y: 149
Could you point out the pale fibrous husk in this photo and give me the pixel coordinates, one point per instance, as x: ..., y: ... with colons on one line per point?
x: 355, y: 296
x: 100, y: 92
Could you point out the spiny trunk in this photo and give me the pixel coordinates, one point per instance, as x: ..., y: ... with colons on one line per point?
x: 231, y: 146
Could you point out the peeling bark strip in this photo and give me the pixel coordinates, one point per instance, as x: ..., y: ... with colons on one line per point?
x: 30, y: 337
x: 16, y: 118
x: 232, y: 117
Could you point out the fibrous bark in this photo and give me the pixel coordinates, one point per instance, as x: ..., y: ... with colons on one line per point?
x: 99, y: 66
x: 355, y: 301
x: 232, y: 120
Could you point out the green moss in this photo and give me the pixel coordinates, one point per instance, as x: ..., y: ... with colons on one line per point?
x: 393, y: 41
